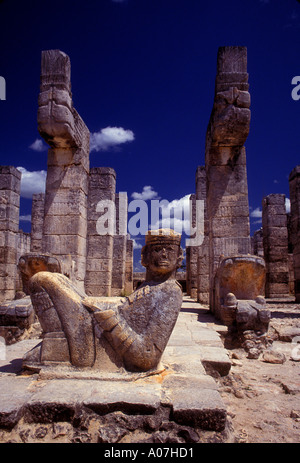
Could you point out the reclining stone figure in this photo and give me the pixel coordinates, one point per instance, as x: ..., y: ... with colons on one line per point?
x: 107, y: 332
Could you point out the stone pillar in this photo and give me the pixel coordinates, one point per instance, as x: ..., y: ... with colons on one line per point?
x: 37, y: 221
x: 65, y: 216
x: 119, y: 250
x: 203, y: 249
x: 129, y: 266
x: 188, y: 277
x: 192, y: 255
x: 275, y: 242
x: 101, y: 203
x: 10, y: 183
x: 258, y: 247
x: 294, y: 182
x: 225, y: 161
x: 24, y: 242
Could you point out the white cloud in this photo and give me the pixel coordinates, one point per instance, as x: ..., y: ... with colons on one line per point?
x: 136, y: 245
x: 110, y: 137
x: 287, y: 205
x: 175, y: 215
x: 25, y: 218
x: 38, y: 145
x: 32, y: 182
x: 147, y: 193
x: 257, y: 213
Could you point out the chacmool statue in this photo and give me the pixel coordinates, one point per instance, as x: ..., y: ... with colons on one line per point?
x: 107, y: 333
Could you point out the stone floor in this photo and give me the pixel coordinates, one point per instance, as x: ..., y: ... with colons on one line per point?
x: 181, y: 384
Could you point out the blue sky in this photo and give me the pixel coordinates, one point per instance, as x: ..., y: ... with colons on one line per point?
x: 147, y: 67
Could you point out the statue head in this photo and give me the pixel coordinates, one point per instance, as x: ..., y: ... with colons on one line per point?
x: 30, y: 264
x: 162, y: 254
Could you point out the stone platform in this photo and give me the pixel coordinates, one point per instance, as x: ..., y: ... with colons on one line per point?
x: 180, y: 396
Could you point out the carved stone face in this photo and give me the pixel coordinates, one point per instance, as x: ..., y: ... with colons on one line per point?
x: 162, y: 258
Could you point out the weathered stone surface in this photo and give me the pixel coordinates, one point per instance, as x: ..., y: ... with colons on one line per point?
x: 225, y: 161
x: 14, y: 395
x: 131, y: 332
x: 275, y: 243
x: 294, y: 183
x: 111, y: 407
x: 242, y: 275
x: 10, y: 183
x: 16, y: 317
x: 129, y: 267
x: 271, y: 356
x: 98, y: 279
x: 239, y: 289
x: 37, y: 221
x: 32, y: 263
x: 68, y: 162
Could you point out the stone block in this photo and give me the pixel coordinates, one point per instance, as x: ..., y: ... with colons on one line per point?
x: 278, y: 277
x: 275, y: 200
x: 274, y: 221
x: 276, y: 289
x: 66, y: 202
x: 64, y: 245
x: 69, y: 225
x: 100, y: 246
x: 99, y: 265
x: 67, y: 178
x: 10, y: 179
x: 55, y: 348
x: 206, y: 410
x: 8, y: 269
x: 276, y: 254
x: 277, y: 267
x: 99, y: 289
x: 102, y: 178
x: 8, y: 255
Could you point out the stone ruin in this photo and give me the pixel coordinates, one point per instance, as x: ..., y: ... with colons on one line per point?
x: 64, y: 218
x: 79, y: 284
x: 222, y: 184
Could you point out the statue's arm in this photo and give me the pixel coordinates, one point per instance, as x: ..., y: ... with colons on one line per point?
x: 140, y: 351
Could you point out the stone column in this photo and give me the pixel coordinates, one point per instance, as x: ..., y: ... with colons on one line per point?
x: 10, y: 183
x: 258, y: 247
x: 225, y: 161
x: 119, y: 250
x: 65, y: 218
x: 294, y: 182
x: 129, y: 266
x: 192, y: 255
x: 203, y: 249
x: 275, y: 242
x: 37, y: 221
x: 101, y: 203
